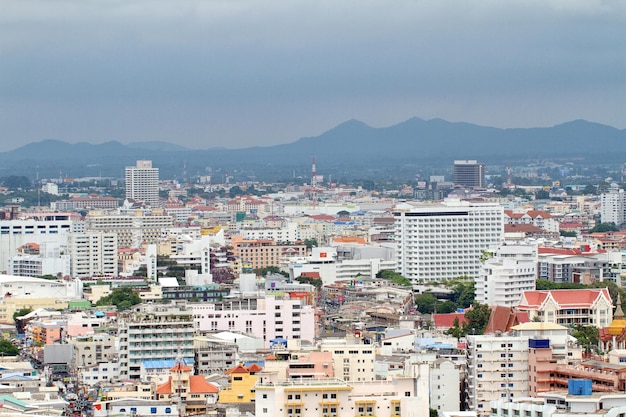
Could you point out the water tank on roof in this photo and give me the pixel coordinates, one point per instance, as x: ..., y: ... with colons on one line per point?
x: 579, y: 387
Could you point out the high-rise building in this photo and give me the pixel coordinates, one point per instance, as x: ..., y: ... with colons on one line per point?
x: 154, y: 332
x: 497, y: 369
x: 469, y: 174
x: 446, y: 240
x: 614, y: 206
x: 93, y: 254
x: 505, y: 276
x: 142, y: 183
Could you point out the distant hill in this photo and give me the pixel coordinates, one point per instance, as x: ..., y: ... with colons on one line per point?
x: 350, y: 149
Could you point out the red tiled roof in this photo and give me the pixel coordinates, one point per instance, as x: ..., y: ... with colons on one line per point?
x: 526, y: 228
x: 539, y: 213
x: 564, y: 298
x: 312, y: 274
x: 166, y: 387
x: 447, y: 320
x: 559, y: 251
x: 503, y: 318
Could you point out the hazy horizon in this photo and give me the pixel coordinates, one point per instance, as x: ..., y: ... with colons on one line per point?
x: 239, y: 73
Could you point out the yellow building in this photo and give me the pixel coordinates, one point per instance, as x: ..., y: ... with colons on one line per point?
x: 10, y: 305
x: 241, y: 386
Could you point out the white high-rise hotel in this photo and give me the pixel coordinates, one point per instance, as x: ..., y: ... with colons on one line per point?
x: 446, y: 240
x: 142, y: 183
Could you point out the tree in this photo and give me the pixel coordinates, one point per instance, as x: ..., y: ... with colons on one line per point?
x: 394, y: 277
x: 587, y: 336
x: 566, y: 233
x: 477, y: 318
x: 456, y: 330
x: 8, y: 349
x: 542, y: 195
x: 310, y: 243
x: 589, y: 190
x: 604, y: 227
x: 343, y: 213
x: 425, y: 303
x: 235, y: 191
x: 122, y: 297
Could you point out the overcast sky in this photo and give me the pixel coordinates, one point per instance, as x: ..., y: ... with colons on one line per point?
x: 238, y: 73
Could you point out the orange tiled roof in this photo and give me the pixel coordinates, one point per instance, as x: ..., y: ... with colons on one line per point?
x: 239, y: 369
x: 255, y: 367
x: 180, y: 367
x: 197, y: 384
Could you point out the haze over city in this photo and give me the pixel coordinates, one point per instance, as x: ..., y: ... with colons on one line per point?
x: 242, y: 73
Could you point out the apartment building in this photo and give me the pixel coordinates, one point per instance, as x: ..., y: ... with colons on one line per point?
x: 613, y: 206
x: 214, y: 355
x: 142, y: 183
x: 257, y: 254
x: 154, y: 332
x: 93, y: 254
x: 447, y: 240
x: 497, y: 368
x: 505, y: 276
x: 332, y: 397
x: 132, y: 230
x: 267, y: 318
x: 351, y: 361
x: 23, y: 229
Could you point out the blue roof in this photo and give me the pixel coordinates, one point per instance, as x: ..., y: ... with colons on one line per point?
x: 164, y: 363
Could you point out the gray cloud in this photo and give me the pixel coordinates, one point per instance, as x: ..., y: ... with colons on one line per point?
x: 241, y: 73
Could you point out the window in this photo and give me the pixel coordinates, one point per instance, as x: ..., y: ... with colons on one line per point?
x: 152, y: 410
x: 168, y: 410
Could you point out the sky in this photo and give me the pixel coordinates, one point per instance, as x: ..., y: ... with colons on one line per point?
x: 241, y: 73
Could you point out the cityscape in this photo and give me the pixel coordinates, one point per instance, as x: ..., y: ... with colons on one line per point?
x: 333, y: 208
x: 458, y: 294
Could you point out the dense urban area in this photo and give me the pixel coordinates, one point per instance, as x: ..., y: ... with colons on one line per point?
x: 467, y: 290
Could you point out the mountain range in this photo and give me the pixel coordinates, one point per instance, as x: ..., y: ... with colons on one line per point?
x: 349, y: 149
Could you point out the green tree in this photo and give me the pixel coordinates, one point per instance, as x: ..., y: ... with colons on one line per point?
x: 477, y: 318
x: 542, y: 195
x: 605, y: 227
x: 21, y: 312
x: 589, y: 190
x: 343, y: 213
x: 235, y: 191
x: 567, y: 233
x: 8, y: 349
x: 270, y: 269
x: 456, y: 330
x: 587, y: 336
x: 394, y: 277
x: 122, y: 297
x: 310, y: 243
x: 425, y: 303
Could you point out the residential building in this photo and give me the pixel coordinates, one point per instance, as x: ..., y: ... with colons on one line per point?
x: 242, y: 380
x: 132, y: 231
x: 193, y: 392
x: 154, y: 332
x: 469, y: 174
x: 613, y: 206
x: 444, y: 378
x: 256, y: 254
x: 93, y: 254
x: 537, y: 218
x: 351, y: 361
x: 331, y: 397
x: 497, y: 368
x: 589, y: 307
x: 268, y: 317
x: 26, y: 228
x: 142, y: 183
x: 446, y: 241
x: 213, y: 355
x: 505, y: 276
x: 45, y: 259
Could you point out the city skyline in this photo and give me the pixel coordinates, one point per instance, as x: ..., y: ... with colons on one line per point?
x: 241, y: 74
